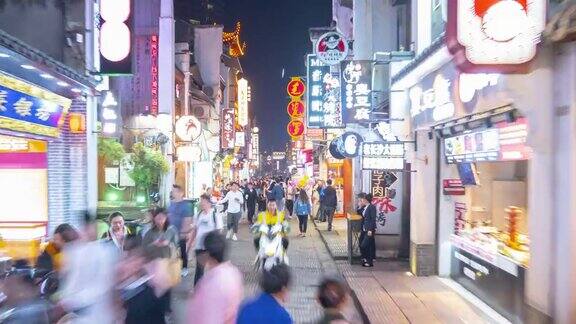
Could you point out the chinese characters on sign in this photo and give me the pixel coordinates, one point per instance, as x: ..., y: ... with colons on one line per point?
x: 242, y: 102
x: 356, y: 81
x: 384, y: 187
x: 296, y: 87
x: 154, y: 74
x: 433, y: 99
x: 256, y: 148
x: 228, y: 135
x: 489, y: 35
x: 26, y: 108
x: 295, y: 109
x: 295, y: 128
x: 109, y: 116
x: 323, y: 98
x: 383, y: 156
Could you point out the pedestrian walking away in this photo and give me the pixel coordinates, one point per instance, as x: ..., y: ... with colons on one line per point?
x: 180, y: 216
x: 235, y: 200
x: 291, y: 192
x: 329, y: 203
x: 303, y: 209
x: 332, y: 295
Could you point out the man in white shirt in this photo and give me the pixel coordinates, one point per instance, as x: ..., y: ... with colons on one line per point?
x: 203, y: 223
x: 235, y: 200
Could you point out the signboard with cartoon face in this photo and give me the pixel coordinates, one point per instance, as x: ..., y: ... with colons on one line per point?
x: 494, y: 35
x: 331, y: 48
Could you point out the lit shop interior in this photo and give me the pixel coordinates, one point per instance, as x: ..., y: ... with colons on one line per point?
x: 483, y: 231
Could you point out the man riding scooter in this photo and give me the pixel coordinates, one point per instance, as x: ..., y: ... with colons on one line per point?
x: 270, y: 239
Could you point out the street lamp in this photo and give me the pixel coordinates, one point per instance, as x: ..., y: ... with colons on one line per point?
x: 255, y: 129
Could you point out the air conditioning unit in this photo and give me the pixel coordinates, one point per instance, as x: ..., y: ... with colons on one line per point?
x: 201, y: 112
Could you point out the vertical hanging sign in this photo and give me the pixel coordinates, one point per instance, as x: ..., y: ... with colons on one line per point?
x: 295, y: 109
x: 323, y: 106
x: 115, y: 37
x: 356, y: 93
x: 154, y: 74
x: 228, y: 134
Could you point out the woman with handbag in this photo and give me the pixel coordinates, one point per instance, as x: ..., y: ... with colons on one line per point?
x: 165, y: 239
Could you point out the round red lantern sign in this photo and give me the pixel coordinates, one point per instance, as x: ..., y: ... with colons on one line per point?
x: 295, y: 109
x: 295, y: 128
x: 296, y: 87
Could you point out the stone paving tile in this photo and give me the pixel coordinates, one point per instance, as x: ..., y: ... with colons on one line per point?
x: 309, y: 261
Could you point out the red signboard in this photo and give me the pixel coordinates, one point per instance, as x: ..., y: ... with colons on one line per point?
x: 295, y: 109
x: 295, y: 128
x: 228, y: 133
x: 494, y: 35
x: 296, y: 87
x: 453, y: 187
x: 154, y: 74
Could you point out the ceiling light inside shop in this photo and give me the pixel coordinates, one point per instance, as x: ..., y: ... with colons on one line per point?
x: 27, y: 67
x: 62, y: 83
x: 76, y: 90
x: 46, y: 76
x: 4, y: 55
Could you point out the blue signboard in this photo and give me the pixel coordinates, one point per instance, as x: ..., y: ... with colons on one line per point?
x: 28, y: 108
x: 323, y: 108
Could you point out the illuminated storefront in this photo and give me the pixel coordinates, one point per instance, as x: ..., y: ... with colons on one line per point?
x: 43, y: 151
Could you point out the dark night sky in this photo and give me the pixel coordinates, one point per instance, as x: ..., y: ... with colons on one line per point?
x: 276, y: 34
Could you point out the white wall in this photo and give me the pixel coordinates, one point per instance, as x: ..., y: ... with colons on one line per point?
x: 562, y: 193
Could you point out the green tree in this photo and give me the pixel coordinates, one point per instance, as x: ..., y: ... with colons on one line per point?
x: 149, y: 165
x: 110, y: 150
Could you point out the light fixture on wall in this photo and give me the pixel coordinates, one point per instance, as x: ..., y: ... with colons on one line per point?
x: 77, y: 123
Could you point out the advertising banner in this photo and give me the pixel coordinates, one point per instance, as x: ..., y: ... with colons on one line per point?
x: 386, y: 189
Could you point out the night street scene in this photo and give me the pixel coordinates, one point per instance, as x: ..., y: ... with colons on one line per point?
x: 287, y: 161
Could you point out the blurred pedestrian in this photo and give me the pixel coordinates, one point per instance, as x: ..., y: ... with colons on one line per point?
x: 51, y: 258
x: 117, y: 231
x: 235, y: 200
x: 180, y: 215
x: 303, y: 209
x: 145, y: 301
x: 204, y: 222
x: 332, y: 295
x: 267, y: 308
x: 315, y: 197
x: 88, y: 278
x: 291, y: 192
x: 367, y: 241
x: 218, y: 295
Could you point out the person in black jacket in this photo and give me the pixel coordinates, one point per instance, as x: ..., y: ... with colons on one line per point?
x: 367, y: 242
x: 250, y: 197
x: 329, y: 202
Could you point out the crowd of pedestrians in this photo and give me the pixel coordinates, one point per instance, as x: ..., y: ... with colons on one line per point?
x: 127, y: 275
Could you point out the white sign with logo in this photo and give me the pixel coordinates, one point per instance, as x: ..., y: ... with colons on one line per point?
x: 188, y: 128
x: 438, y: 99
x: 331, y: 48
x: 240, y: 139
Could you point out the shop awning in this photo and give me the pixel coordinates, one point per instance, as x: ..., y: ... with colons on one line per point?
x: 32, y: 65
x: 476, y: 121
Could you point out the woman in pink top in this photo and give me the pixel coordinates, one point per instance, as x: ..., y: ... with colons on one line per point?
x: 218, y: 294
